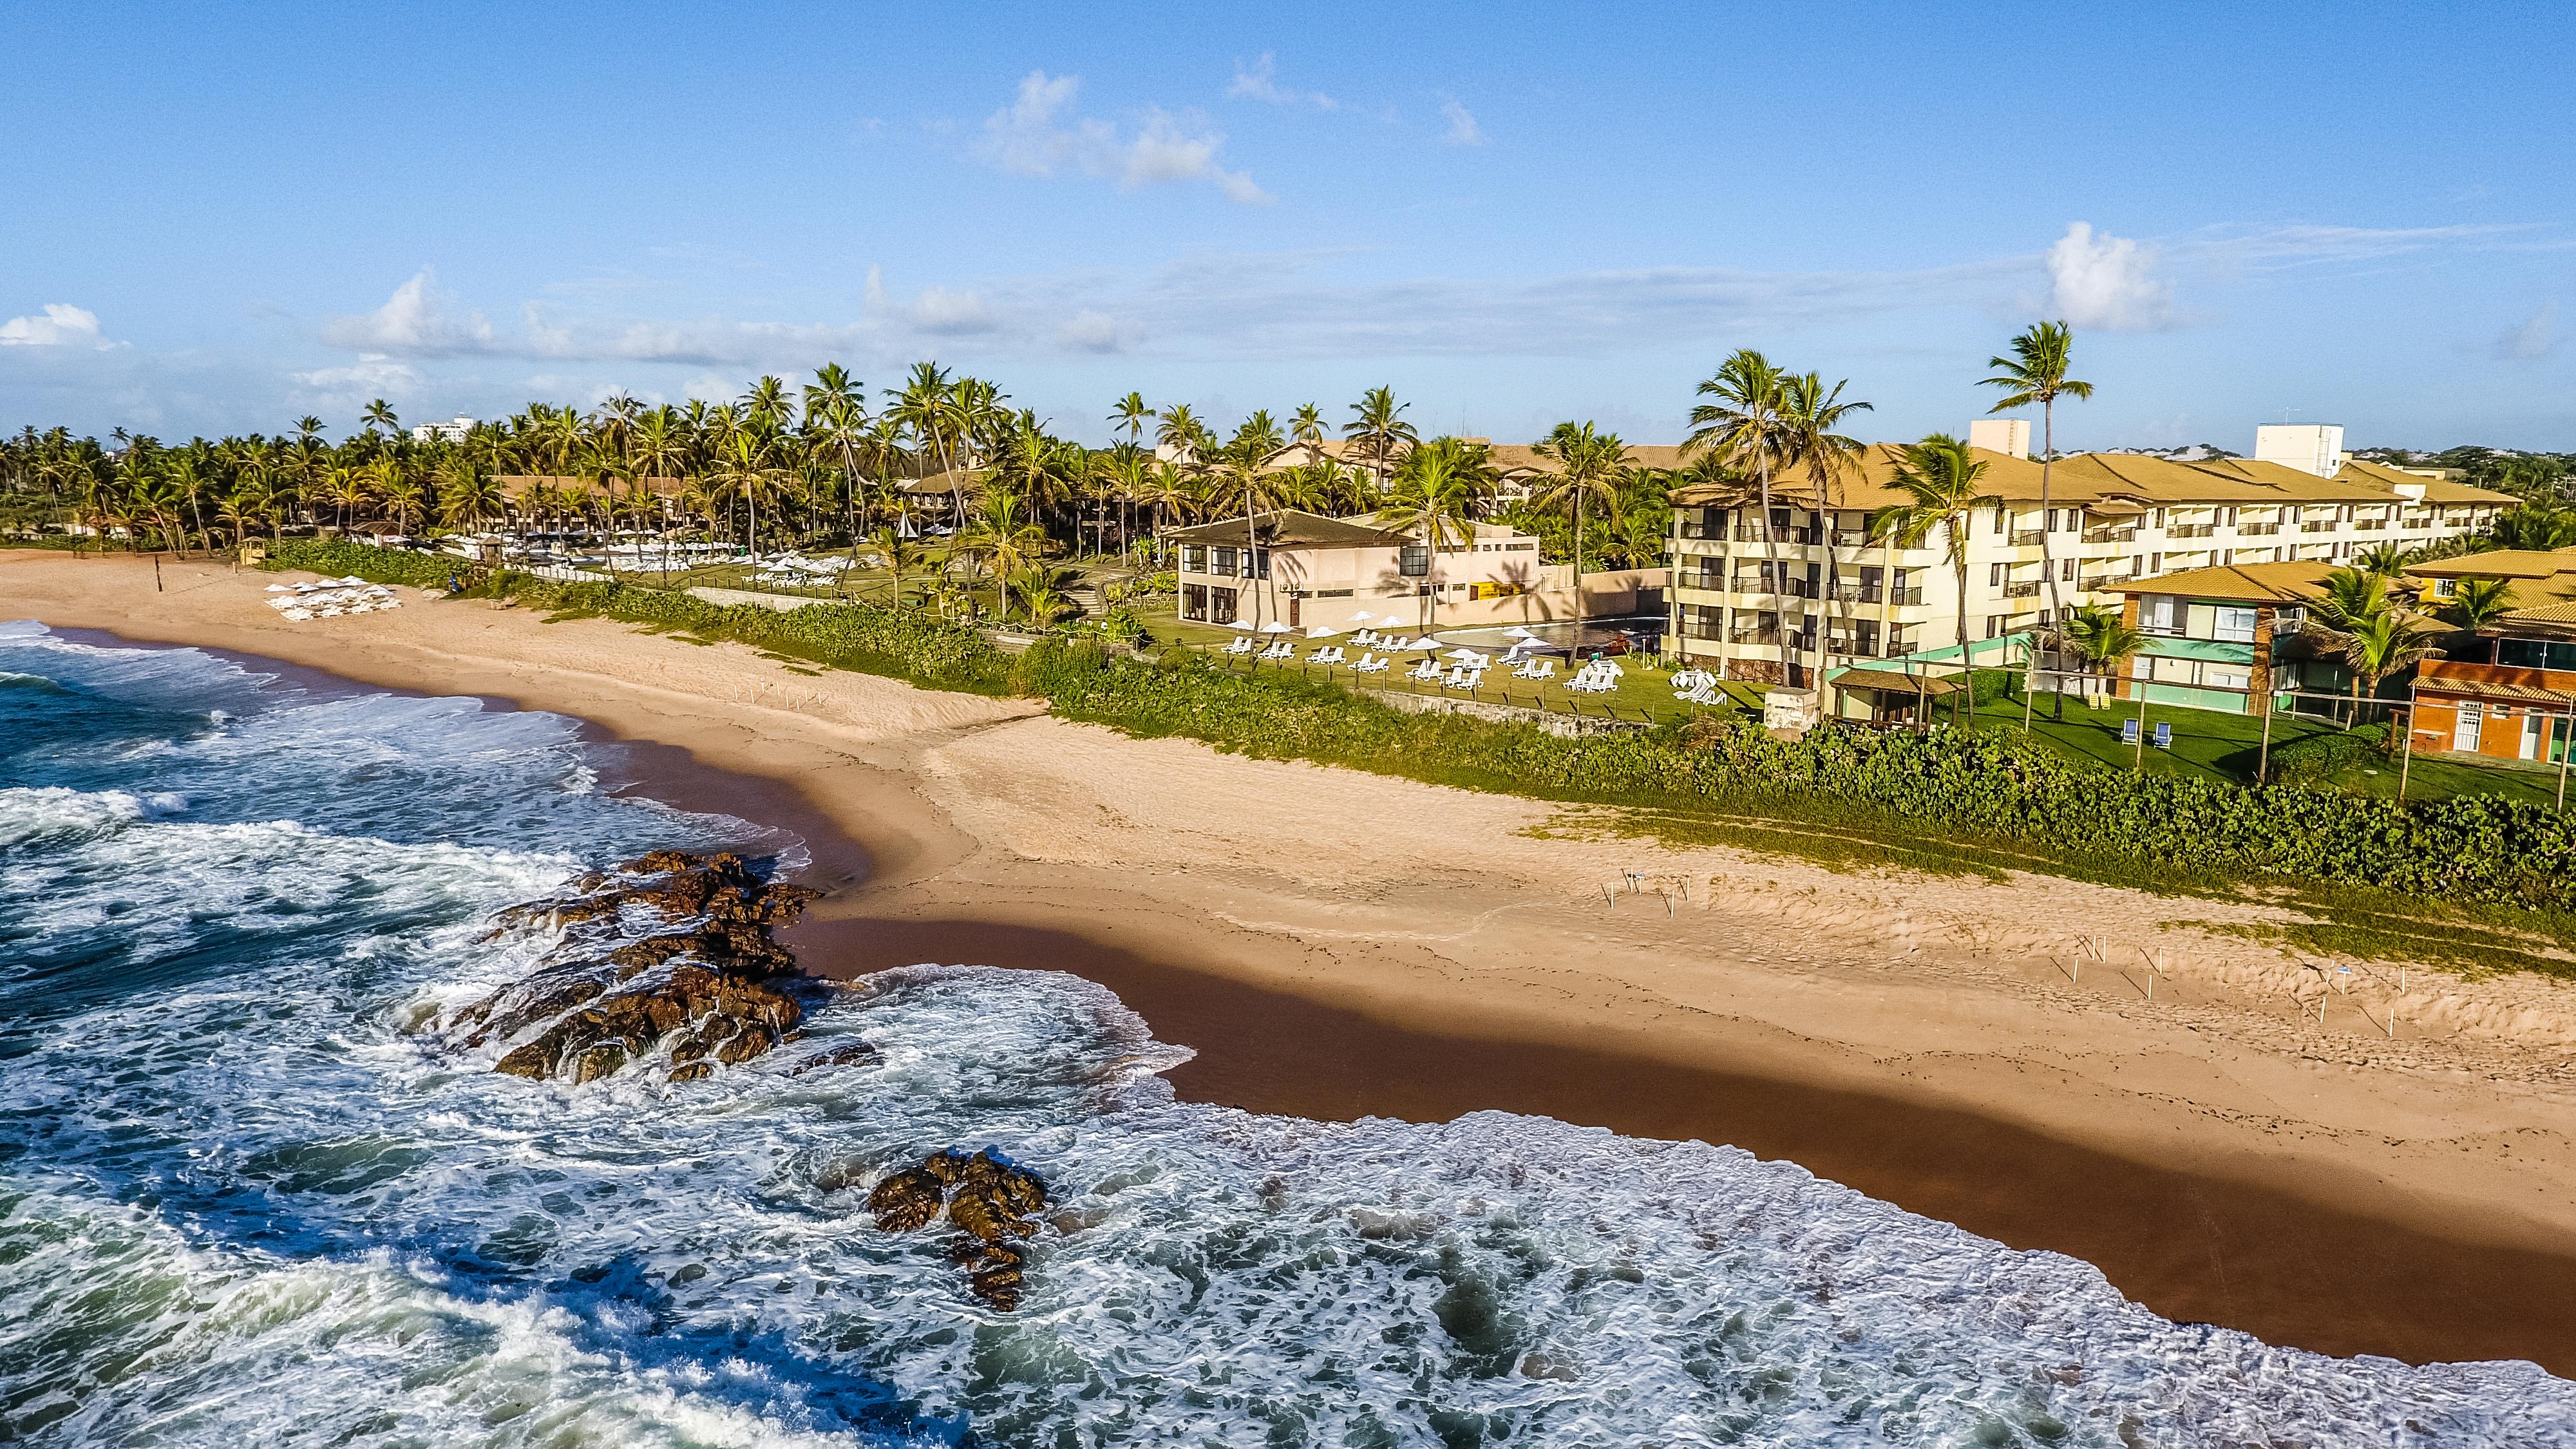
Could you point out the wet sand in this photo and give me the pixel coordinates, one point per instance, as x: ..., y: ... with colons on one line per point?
x: 1336, y: 1008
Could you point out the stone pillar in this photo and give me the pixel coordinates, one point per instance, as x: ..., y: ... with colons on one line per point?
x: 2120, y: 667
x: 2260, y: 702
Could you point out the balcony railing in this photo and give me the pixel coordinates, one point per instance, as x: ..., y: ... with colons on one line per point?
x: 2370, y: 525
x: 1712, y: 583
x: 2127, y: 534
x: 1906, y: 598
x: 2256, y: 530
x: 1754, y: 636
x: 1756, y: 534
x: 2027, y: 589
x: 2327, y: 527
x: 1789, y: 588
x: 1851, y: 593
x: 1852, y: 538
x: 2097, y: 583
x: 2191, y: 530
x: 2028, y: 537
x: 1850, y: 648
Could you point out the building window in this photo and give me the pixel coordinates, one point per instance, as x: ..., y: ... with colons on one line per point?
x: 1868, y: 631
x: 1413, y: 561
x: 1194, y: 603
x: 1224, y: 563
x: 1221, y: 606
x: 2235, y: 625
x: 2066, y: 571
x: 2160, y: 614
x: 1703, y: 621
x: 1194, y: 558
x: 1995, y: 576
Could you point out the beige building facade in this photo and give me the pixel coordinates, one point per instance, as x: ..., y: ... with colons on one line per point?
x: 1750, y: 596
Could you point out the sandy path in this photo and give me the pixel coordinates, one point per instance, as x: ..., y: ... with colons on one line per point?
x: 1482, y: 918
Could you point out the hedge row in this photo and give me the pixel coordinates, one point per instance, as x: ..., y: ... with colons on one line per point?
x: 1998, y: 786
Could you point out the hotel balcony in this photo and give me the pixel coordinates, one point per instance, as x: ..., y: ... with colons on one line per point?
x: 2191, y: 530
x: 2256, y: 530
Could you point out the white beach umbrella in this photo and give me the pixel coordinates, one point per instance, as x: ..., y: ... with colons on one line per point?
x: 1468, y: 656
x: 1322, y: 631
x: 1518, y: 632
x: 281, y: 588
x: 1363, y: 616
x: 1275, y: 627
x: 1425, y: 642
x: 1243, y: 624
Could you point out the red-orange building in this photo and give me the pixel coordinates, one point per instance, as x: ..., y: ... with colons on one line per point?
x: 2512, y: 695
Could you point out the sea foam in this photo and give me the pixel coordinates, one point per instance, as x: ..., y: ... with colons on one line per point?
x: 242, y: 1202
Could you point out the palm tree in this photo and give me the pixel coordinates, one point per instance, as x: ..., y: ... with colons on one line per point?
x: 1809, y: 414
x: 1002, y: 533
x: 1588, y: 465
x: 2386, y: 560
x: 380, y: 412
x: 2098, y: 635
x: 1041, y: 592
x: 249, y: 502
x: 1434, y: 496
x: 1943, y: 483
x: 2478, y: 603
x: 1377, y: 424
x: 900, y: 553
x: 1129, y: 413
x: 1742, y: 430
x: 2036, y: 373
x: 2374, y: 647
x: 1306, y: 425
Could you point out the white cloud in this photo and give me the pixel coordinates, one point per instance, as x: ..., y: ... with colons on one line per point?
x: 1034, y: 137
x: 61, y: 325
x: 1463, y: 130
x: 1260, y: 82
x: 2530, y: 341
x: 352, y: 387
x: 1091, y: 331
x: 412, y: 323
x: 2108, y: 283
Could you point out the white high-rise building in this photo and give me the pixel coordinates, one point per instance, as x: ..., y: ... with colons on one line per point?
x: 2309, y: 447
x: 443, y: 432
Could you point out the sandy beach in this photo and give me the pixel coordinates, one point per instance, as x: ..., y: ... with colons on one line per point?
x: 1337, y: 944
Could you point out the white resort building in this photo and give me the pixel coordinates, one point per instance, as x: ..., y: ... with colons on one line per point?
x: 1303, y: 569
x: 1749, y: 595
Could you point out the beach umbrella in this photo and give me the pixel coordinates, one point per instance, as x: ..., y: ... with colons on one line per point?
x: 1322, y: 631
x: 1425, y: 642
x: 1243, y: 624
x: 1518, y: 632
x: 1275, y: 627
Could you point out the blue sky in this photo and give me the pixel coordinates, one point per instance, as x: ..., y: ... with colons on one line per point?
x: 222, y: 217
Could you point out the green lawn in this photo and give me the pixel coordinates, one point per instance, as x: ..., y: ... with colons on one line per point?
x: 2214, y: 745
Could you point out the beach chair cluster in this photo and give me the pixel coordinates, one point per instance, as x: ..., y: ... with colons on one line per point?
x: 1601, y: 676
x: 1696, y: 686
x: 798, y: 570
x: 330, y: 599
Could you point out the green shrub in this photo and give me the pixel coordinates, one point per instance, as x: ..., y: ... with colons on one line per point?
x: 1998, y: 787
x: 2319, y: 758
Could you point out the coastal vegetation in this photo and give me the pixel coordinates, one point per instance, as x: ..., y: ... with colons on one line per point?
x: 2000, y: 797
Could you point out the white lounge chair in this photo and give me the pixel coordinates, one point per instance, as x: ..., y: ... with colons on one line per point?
x: 1369, y: 664
x: 1427, y: 670
x: 1240, y: 645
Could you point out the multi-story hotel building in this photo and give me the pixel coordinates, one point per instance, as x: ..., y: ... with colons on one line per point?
x: 1750, y: 595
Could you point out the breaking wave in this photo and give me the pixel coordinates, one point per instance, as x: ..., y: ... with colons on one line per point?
x: 240, y: 1202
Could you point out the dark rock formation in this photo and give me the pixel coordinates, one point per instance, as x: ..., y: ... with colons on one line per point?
x: 990, y: 1199
x: 715, y: 990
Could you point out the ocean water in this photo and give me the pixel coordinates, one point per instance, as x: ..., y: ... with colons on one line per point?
x: 241, y: 1203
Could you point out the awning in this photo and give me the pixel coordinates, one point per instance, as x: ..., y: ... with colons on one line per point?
x: 1889, y: 680
x: 2113, y: 508
x: 2495, y: 689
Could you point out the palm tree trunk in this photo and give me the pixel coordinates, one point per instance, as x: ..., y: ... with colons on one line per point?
x: 2047, y: 568
x: 1967, y: 671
